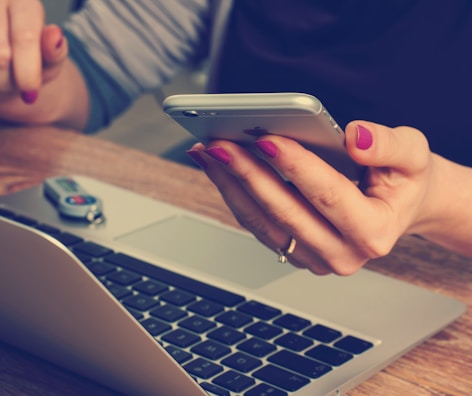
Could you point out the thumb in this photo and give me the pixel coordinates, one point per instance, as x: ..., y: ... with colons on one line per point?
x: 402, y: 148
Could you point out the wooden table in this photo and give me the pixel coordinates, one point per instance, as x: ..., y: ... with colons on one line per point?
x: 440, y: 366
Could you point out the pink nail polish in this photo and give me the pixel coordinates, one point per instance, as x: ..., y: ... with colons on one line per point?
x: 364, y: 138
x: 59, y: 43
x: 29, y: 97
x: 197, y: 158
x: 219, y: 154
x: 267, y: 148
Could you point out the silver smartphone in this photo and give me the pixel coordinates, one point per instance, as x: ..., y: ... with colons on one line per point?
x: 243, y: 118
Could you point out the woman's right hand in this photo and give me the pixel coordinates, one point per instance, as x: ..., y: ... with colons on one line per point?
x: 31, y: 54
x: 338, y: 226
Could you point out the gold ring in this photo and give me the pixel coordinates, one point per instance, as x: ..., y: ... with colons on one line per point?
x: 284, y: 253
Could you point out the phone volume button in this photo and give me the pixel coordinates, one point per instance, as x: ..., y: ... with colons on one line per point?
x: 338, y: 129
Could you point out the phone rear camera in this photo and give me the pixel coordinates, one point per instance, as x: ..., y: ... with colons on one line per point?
x: 190, y: 113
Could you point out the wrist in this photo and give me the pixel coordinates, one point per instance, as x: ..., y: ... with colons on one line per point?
x: 446, y: 212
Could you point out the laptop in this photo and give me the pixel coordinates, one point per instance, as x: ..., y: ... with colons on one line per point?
x: 158, y: 300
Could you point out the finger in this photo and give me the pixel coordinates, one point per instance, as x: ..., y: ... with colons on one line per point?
x: 359, y: 218
x: 5, y: 49
x: 26, y: 24
x: 304, y: 258
x: 400, y: 164
x: 246, y: 210
x: 54, y: 49
x: 403, y: 149
x: 251, y: 216
x: 367, y: 221
x: 53, y: 45
x: 283, y: 205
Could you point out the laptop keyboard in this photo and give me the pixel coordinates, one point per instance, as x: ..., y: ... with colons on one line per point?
x: 229, y: 344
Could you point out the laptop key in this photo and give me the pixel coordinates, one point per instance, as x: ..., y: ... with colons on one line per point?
x: 211, y: 349
x: 181, y: 338
x: 265, y: 390
x: 28, y: 221
x: 300, y: 364
x: 259, y: 310
x: 84, y: 258
x: 151, y: 288
x: 178, y: 354
x: 118, y: 291
x: 99, y: 268
x: 294, y: 342
x: 322, y: 333
x: 123, y: 277
x: 256, y: 347
x: 197, y: 324
x: 292, y: 322
x: 281, y: 378
x: 7, y: 213
x: 68, y: 239
x: 178, y: 297
x: 168, y: 313
x: 242, y: 362
x: 331, y: 356
x: 263, y: 330
x: 214, y: 390
x: 202, y: 368
x: 234, y: 318
x: 50, y: 230
x: 92, y: 249
x: 205, y: 308
x: 140, y: 302
x: 353, y: 344
x: 226, y: 335
x: 155, y: 327
x: 234, y: 381
x: 136, y: 314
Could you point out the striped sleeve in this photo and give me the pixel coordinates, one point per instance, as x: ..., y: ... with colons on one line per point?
x: 129, y: 47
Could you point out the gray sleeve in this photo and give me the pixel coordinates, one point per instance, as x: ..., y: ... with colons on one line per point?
x: 107, y: 99
x: 142, y: 44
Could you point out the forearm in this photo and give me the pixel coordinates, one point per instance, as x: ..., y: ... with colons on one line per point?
x: 448, y: 221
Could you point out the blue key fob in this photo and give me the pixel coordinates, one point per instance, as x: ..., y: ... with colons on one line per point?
x: 72, y: 200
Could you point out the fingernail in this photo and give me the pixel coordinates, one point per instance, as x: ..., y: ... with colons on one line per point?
x: 267, y: 148
x: 197, y: 158
x: 59, y: 43
x: 29, y: 97
x: 364, y: 138
x: 219, y: 154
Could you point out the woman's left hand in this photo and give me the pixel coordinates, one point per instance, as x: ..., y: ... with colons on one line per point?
x: 338, y: 225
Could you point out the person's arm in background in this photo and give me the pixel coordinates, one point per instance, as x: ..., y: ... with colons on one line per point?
x: 338, y: 225
x: 118, y: 51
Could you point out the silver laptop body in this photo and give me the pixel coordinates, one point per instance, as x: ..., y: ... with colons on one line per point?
x: 52, y: 305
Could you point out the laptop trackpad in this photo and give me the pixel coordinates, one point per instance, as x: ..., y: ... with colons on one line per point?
x: 211, y: 249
